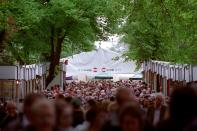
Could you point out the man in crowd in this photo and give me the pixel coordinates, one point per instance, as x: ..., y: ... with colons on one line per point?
x: 156, y: 113
x: 23, y: 120
x: 182, y: 111
x: 11, y: 115
x: 43, y: 116
x: 64, y: 116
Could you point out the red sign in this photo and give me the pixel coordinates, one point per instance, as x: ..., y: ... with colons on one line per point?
x: 95, y: 69
x: 103, y: 69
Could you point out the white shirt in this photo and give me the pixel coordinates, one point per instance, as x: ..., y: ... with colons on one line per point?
x: 83, y: 127
x: 25, y: 121
x: 156, y: 117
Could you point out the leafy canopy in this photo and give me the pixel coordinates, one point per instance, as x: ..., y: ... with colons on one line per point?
x: 76, y: 21
x: 162, y: 30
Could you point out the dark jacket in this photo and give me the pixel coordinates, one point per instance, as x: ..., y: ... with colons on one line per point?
x: 16, y: 125
x: 168, y: 125
x: 151, y: 113
x: 31, y: 128
x: 78, y: 117
x: 7, y: 120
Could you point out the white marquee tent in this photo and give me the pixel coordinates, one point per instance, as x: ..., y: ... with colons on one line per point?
x: 100, y: 62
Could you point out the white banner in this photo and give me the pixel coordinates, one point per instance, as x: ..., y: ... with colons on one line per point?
x: 99, y: 62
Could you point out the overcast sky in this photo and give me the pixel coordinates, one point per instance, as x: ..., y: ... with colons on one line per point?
x: 112, y: 42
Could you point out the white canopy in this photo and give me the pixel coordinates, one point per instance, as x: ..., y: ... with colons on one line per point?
x: 99, y: 62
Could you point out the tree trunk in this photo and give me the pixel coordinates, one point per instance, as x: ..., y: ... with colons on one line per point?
x: 56, y: 47
x: 2, y: 38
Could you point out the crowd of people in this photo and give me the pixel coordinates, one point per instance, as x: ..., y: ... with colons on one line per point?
x: 102, y: 106
x: 97, y: 90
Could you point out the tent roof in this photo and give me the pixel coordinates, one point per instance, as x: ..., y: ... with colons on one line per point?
x: 100, y: 61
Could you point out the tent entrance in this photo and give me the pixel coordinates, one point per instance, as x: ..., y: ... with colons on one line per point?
x: 102, y: 77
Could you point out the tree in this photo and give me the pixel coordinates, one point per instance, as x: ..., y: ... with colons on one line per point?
x: 16, y: 19
x: 45, y: 28
x: 162, y: 30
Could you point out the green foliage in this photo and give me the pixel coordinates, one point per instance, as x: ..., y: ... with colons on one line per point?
x: 75, y: 21
x: 162, y: 30
x: 155, y: 29
x: 18, y: 19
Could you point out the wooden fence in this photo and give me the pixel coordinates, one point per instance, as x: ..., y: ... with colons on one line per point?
x: 165, y: 76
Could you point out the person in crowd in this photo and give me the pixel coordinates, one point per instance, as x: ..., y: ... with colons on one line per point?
x: 43, y: 116
x: 191, y: 126
x: 68, y: 99
x: 123, y: 96
x: 20, y: 106
x: 91, y: 104
x: 25, y: 117
x: 112, y: 99
x: 131, y: 118
x: 64, y: 114
x: 2, y: 110
x: 11, y: 115
x: 78, y: 113
x: 105, y: 104
x: 182, y: 110
x: 157, y: 113
x: 96, y: 116
x: 60, y: 97
x: 145, y: 103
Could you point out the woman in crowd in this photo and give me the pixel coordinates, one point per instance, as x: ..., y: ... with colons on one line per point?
x: 64, y: 113
x: 96, y: 116
x: 43, y: 116
x: 131, y: 118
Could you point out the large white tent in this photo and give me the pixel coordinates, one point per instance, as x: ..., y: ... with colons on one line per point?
x: 100, y: 62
